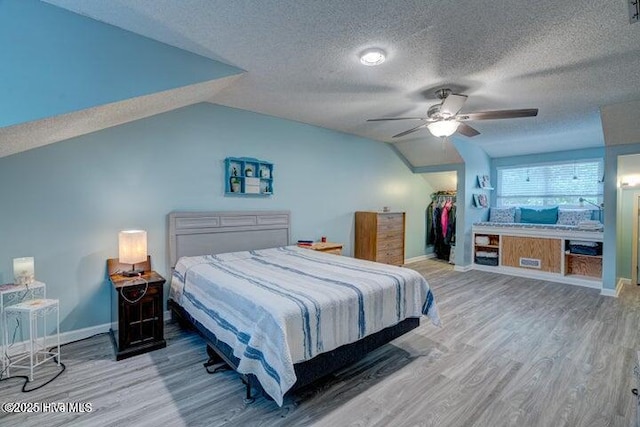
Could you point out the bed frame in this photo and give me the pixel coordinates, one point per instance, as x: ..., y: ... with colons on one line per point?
x: 202, y: 233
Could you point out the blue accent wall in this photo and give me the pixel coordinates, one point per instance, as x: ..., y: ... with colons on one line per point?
x: 476, y: 162
x: 64, y: 203
x: 55, y: 62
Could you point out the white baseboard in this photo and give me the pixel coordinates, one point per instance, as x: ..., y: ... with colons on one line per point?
x: 419, y: 258
x: 463, y: 268
x: 70, y: 336
x: 615, y: 292
x: 541, y: 275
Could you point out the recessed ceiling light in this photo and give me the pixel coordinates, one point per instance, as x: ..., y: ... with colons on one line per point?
x: 373, y: 57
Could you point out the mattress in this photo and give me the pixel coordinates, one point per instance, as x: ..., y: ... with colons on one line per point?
x: 281, y: 306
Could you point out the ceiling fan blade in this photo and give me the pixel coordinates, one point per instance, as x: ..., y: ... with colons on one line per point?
x: 407, y: 132
x: 467, y: 130
x: 396, y: 118
x: 501, y: 114
x: 452, y: 104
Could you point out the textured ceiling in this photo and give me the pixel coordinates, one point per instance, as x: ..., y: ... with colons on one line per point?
x: 301, y: 57
x: 38, y: 133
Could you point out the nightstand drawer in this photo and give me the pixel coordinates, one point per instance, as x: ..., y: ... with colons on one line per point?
x: 337, y: 251
x: 326, y: 247
x: 135, y: 292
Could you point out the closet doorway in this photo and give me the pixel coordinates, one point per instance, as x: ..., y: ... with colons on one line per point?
x: 440, y: 215
x: 635, y: 250
x: 628, y: 219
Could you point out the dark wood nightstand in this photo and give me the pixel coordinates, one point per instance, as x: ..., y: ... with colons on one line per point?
x: 137, y: 323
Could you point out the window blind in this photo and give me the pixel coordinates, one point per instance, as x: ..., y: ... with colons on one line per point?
x: 550, y: 184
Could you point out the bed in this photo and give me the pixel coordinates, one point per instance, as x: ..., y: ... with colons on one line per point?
x: 280, y: 315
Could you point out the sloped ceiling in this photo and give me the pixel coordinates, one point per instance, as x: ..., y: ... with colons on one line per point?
x: 41, y: 132
x: 63, y: 75
x: 301, y: 58
x: 566, y: 58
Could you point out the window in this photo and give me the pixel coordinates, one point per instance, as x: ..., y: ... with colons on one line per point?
x: 550, y: 184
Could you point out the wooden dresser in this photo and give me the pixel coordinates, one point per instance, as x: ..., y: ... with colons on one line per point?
x: 380, y: 237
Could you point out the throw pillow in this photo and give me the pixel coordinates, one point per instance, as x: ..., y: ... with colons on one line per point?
x: 539, y: 216
x: 502, y: 214
x: 573, y: 216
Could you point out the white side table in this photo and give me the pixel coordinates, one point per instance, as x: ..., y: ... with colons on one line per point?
x: 37, y: 309
x: 13, y: 294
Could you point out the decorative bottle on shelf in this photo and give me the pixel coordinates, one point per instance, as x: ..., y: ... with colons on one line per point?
x: 235, y: 185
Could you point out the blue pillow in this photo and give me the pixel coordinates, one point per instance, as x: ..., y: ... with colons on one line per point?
x: 539, y: 216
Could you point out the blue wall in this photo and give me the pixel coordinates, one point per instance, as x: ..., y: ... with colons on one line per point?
x: 65, y: 203
x: 476, y: 162
x: 55, y: 62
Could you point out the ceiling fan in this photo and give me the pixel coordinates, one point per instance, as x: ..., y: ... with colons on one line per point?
x: 445, y: 119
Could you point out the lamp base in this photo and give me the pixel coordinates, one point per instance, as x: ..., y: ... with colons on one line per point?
x: 132, y: 273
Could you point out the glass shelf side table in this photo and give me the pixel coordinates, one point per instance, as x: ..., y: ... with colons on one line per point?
x: 37, y: 310
x: 11, y: 294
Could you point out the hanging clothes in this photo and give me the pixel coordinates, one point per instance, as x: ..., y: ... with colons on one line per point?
x: 440, y: 223
x: 444, y: 217
x: 430, y: 240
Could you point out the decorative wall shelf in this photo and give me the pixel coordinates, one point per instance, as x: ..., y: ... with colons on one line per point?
x: 246, y: 176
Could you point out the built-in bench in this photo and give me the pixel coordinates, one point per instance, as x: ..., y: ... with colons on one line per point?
x: 566, y: 253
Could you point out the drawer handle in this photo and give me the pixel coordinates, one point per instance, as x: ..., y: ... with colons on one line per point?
x: 634, y: 391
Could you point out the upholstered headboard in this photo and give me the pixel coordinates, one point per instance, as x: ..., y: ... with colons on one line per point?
x: 204, y: 233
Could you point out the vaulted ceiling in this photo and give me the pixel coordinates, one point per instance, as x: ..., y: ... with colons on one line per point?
x: 301, y: 60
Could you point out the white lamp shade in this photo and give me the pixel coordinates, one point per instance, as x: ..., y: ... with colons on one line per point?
x: 443, y: 128
x: 23, y: 270
x: 132, y: 246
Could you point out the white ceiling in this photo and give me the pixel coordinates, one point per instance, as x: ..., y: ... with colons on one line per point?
x: 442, y: 181
x: 629, y: 166
x: 301, y: 57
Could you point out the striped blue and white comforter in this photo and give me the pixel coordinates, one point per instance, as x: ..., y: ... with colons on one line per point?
x: 276, y: 307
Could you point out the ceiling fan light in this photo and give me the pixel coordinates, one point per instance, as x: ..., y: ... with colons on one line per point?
x: 373, y: 57
x: 443, y: 128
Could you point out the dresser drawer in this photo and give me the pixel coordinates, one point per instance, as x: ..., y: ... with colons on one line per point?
x: 388, y: 244
x: 386, y: 226
x: 395, y: 219
x: 391, y: 256
x: 389, y: 235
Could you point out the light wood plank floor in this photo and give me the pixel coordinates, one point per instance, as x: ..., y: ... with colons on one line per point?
x: 512, y: 352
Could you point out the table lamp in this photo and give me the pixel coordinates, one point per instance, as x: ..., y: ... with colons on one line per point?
x: 132, y: 249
